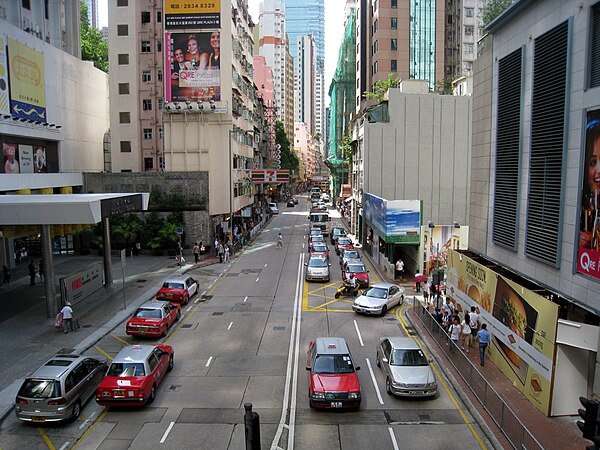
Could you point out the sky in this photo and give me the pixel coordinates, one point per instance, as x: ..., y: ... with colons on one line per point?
x: 334, y: 31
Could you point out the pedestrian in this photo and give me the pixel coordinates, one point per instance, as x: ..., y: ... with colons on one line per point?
x: 279, y: 241
x: 226, y: 249
x: 202, y: 249
x: 216, y: 247
x: 400, y: 269
x: 196, y: 252
x: 445, y: 320
x: 454, y: 332
x: 67, y: 315
x: 220, y: 252
x: 474, y: 317
x: 6, y: 275
x: 138, y: 248
x: 465, y: 332
x: 418, y: 286
x: 483, y: 336
x: 41, y: 270
x: 426, y: 292
x: 32, y: 271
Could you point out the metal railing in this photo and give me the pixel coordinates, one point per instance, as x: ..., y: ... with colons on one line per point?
x: 506, y: 419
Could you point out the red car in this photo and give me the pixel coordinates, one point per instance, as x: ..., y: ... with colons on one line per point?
x: 134, y: 375
x: 357, y: 268
x: 343, y: 243
x: 319, y: 248
x: 178, y: 289
x: 333, y: 380
x: 153, y: 319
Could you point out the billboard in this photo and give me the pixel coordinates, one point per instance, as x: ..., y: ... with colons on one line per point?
x: 588, y: 251
x: 522, y: 324
x: 4, y: 97
x: 184, y: 14
x: 27, y: 83
x: 10, y: 158
x: 192, y: 66
x: 395, y: 220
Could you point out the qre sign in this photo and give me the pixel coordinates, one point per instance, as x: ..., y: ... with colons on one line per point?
x: 184, y: 14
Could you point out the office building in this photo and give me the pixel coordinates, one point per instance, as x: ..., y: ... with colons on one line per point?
x: 305, y: 82
x: 305, y: 17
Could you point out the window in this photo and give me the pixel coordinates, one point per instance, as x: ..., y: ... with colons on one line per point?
x: 145, y: 16
x: 375, y: 67
x: 46, y: 10
x: 469, y: 12
x: 146, y: 76
x: 147, y: 104
x: 468, y: 49
x: 25, y: 4
x: 394, y: 23
x: 375, y: 47
x: 159, y: 16
x: 122, y: 3
x: 148, y: 164
x: 124, y: 117
x: 123, y: 88
x: 394, y: 44
x: 147, y: 133
x: 159, y: 46
x: 375, y: 26
x: 394, y: 65
x: 146, y: 47
x: 160, y: 103
x: 469, y: 30
x: 125, y: 146
x: 122, y: 30
x: 159, y: 75
x: 160, y: 133
x: 123, y: 58
x: 394, y: 3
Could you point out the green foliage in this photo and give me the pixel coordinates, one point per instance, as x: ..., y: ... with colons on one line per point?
x: 346, y: 150
x: 93, y: 46
x: 166, y: 237
x: 444, y: 86
x: 492, y: 9
x: 289, y: 160
x: 381, y: 87
x: 126, y: 230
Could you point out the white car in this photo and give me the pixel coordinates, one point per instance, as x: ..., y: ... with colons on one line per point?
x: 379, y: 298
x: 274, y: 208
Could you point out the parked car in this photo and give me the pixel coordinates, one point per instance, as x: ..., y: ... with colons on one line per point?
x: 153, y: 319
x: 356, y: 268
x: 316, y: 232
x: 134, y: 375
x: 378, y: 298
x: 319, y: 249
x: 348, y: 254
x: 343, y: 243
x: 59, y: 389
x: 407, y: 370
x: 336, y: 232
x: 273, y: 207
x: 333, y: 381
x: 317, y: 269
x: 291, y: 203
x: 178, y: 289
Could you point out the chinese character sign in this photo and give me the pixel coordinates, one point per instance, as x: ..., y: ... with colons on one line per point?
x: 27, y: 83
x: 186, y: 14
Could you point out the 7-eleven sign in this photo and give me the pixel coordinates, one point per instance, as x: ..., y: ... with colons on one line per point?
x: 270, y: 176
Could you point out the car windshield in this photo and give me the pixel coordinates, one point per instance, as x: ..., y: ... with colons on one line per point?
x: 36, y: 388
x: 339, y: 232
x: 401, y: 357
x: 350, y: 254
x: 317, y: 238
x: 171, y: 285
x: 317, y: 262
x: 344, y: 241
x: 356, y: 268
x: 126, y: 370
x: 376, y: 292
x: 319, y: 248
x: 148, y: 313
x: 333, y: 364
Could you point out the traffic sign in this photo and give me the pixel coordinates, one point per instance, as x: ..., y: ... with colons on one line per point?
x: 180, y: 230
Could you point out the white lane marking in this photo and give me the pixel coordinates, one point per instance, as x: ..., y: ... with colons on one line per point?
x: 86, y: 421
x: 189, y: 308
x: 230, y: 325
x: 303, y: 245
x: 374, y: 381
x: 245, y: 299
x: 362, y: 344
x: 393, y: 437
x: 164, y: 437
x: 65, y: 445
x: 209, y: 361
x: 266, y: 264
x: 257, y: 279
x: 203, y: 294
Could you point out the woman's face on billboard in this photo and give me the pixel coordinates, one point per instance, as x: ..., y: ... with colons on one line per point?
x: 594, y: 167
x: 193, y: 46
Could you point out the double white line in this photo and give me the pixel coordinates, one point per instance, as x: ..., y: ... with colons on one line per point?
x: 291, y: 377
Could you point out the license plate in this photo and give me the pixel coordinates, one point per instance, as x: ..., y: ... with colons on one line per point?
x: 38, y: 419
x: 336, y: 404
x: 142, y: 329
x: 119, y: 392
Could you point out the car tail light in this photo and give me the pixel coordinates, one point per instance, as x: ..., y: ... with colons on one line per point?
x: 21, y: 401
x: 140, y: 393
x: 58, y: 401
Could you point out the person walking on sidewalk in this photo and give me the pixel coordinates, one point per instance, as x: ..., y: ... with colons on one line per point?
x: 226, y: 249
x: 400, y: 269
x: 279, y: 241
x: 6, y: 275
x: 474, y: 325
x: 31, y: 270
x: 220, y: 252
x: 426, y: 292
x: 196, y: 252
x: 454, y: 332
x: 465, y: 332
x: 483, y: 336
x: 67, y: 315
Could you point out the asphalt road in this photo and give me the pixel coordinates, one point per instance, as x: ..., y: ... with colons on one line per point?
x: 245, y: 340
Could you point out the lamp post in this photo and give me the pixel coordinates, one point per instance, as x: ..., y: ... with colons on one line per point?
x: 230, y: 185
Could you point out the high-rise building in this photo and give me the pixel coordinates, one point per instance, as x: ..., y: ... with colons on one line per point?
x: 305, y: 17
x: 93, y: 12
x: 304, y: 82
x: 320, y: 107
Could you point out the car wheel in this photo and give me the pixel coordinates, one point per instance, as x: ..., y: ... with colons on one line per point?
x: 76, y: 410
x: 383, y: 310
x: 186, y: 299
x: 178, y: 316
x: 377, y: 360
x: 166, y: 330
x: 388, y: 386
x: 171, y: 363
x: 152, y: 394
x: 401, y: 300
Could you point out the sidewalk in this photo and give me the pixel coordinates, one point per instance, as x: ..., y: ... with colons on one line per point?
x: 32, y: 337
x: 551, y: 432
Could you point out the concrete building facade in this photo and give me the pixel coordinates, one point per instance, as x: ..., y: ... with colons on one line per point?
x: 305, y: 82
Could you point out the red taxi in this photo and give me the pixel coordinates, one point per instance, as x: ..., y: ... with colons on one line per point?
x: 178, y: 289
x: 319, y: 249
x: 333, y: 380
x: 153, y: 319
x: 343, y: 243
x: 134, y: 375
x: 357, y: 268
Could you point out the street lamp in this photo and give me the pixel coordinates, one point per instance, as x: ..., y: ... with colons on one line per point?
x: 231, y: 185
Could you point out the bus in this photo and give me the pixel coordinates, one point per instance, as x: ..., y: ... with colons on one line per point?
x: 320, y: 219
x: 315, y: 194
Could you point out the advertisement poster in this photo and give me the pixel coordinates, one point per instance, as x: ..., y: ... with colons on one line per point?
x: 40, y: 163
x: 26, y: 158
x: 192, y: 67
x: 588, y: 251
x: 522, y: 324
x: 184, y: 14
x: 10, y: 158
x: 395, y: 220
x: 27, y: 84
x: 440, y: 241
x: 4, y: 98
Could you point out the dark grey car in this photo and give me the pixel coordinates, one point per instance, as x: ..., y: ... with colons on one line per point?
x: 59, y: 389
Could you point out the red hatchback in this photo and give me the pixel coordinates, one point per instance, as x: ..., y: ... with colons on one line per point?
x: 357, y: 268
x: 153, y: 319
x: 343, y: 243
x: 333, y: 380
x: 319, y: 249
x: 134, y: 375
x: 178, y: 289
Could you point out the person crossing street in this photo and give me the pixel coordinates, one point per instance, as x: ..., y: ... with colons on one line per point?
x: 279, y: 241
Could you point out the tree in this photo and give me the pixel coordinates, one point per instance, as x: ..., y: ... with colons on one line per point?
x: 492, y: 9
x: 346, y: 150
x: 381, y: 87
x: 444, y: 86
x: 128, y: 229
x: 289, y: 160
x: 93, y: 46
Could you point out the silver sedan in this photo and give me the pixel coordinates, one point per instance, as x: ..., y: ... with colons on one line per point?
x: 379, y: 298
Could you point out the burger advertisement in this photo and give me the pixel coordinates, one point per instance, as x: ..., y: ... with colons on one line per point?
x: 522, y: 324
